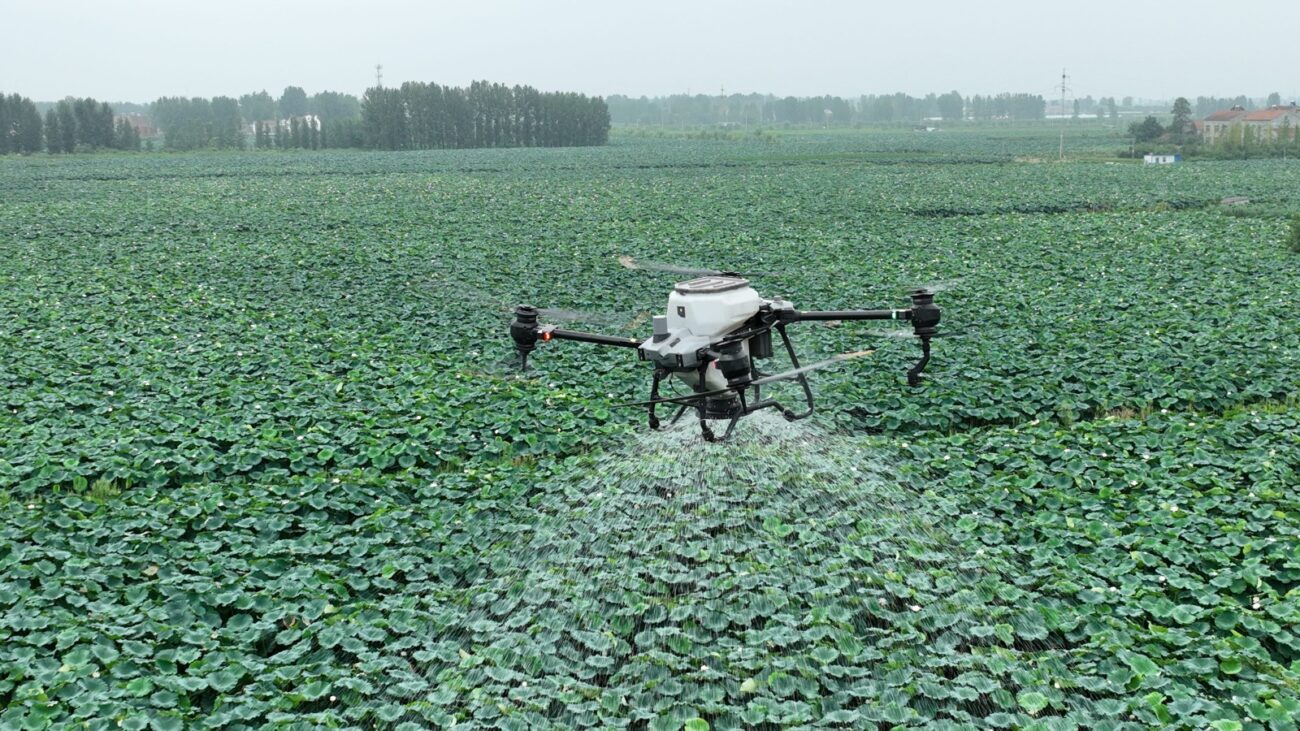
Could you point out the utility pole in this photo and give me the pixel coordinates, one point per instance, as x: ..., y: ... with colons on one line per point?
x: 379, y: 75
x: 1063, y: 117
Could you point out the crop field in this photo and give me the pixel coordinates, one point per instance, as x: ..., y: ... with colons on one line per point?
x: 266, y: 460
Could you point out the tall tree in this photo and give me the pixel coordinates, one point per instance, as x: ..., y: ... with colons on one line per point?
x: 331, y: 106
x: 67, y: 126
x: 1274, y: 99
x: 227, y: 130
x: 53, y: 135
x: 1147, y: 130
x: 950, y: 106
x: 125, y: 136
x: 293, y: 102
x: 1181, y: 125
x: 256, y: 107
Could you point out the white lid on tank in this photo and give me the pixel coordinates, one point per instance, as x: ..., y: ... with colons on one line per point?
x: 711, y: 284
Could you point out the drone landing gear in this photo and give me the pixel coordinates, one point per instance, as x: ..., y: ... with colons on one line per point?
x: 659, y: 376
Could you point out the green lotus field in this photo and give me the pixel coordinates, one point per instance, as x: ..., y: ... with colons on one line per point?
x: 266, y: 460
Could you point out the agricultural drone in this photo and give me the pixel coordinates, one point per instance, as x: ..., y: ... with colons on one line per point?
x: 716, y: 329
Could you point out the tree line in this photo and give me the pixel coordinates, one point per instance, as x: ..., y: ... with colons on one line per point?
x: 71, y: 125
x: 293, y: 120
x: 412, y: 116
x: 685, y: 110
x: 419, y: 116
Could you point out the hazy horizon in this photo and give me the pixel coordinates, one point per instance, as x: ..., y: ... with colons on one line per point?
x: 139, y: 50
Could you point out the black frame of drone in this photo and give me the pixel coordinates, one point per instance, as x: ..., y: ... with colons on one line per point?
x: 729, y: 356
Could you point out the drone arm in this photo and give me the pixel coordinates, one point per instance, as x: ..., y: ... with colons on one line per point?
x: 526, y: 331
x: 823, y: 315
x: 546, y: 332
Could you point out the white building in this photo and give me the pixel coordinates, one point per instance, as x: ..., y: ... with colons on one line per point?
x: 1161, y: 159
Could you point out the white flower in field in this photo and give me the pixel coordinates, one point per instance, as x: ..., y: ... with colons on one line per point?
x: 336, y: 481
x: 915, y: 607
x: 1133, y: 483
x: 31, y: 506
x: 300, y: 437
x: 95, y: 674
x: 333, y: 698
x: 1254, y: 603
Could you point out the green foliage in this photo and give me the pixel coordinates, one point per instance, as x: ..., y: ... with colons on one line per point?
x: 268, y: 463
x: 21, y: 126
x: 102, y: 490
x: 420, y: 116
x: 1293, y: 234
x: 1147, y: 130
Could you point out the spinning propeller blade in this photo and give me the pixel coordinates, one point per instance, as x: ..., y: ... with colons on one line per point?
x: 796, y: 372
x: 563, y: 315
x: 942, y: 285
x: 786, y: 376
x: 652, y: 266
x: 908, y: 334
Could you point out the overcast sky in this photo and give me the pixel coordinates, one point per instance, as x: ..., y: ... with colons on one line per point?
x: 137, y: 50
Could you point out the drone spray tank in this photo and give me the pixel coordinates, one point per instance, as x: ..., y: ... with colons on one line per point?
x: 701, y: 312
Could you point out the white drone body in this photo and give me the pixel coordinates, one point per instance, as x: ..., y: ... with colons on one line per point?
x: 716, y: 330
x: 700, y: 312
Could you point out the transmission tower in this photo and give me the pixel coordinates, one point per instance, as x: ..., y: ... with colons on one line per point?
x: 1064, y: 89
x: 379, y: 75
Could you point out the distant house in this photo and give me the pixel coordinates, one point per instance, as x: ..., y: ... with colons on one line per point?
x: 1269, y: 123
x: 1266, y: 124
x: 1161, y: 159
